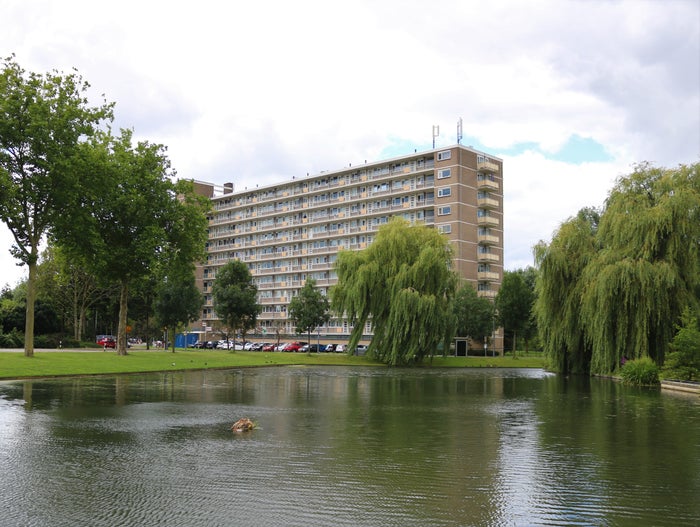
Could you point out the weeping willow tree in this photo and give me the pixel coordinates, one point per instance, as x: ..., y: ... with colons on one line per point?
x: 559, y: 289
x: 621, y: 293
x: 404, y: 284
x: 648, y: 271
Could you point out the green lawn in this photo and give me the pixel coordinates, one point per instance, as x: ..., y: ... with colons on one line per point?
x: 14, y: 365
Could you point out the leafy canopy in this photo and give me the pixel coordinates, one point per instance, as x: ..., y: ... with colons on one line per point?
x: 235, y: 296
x: 131, y: 220
x: 404, y: 284
x: 474, y: 315
x: 616, y: 287
x: 309, y: 309
x: 43, y: 120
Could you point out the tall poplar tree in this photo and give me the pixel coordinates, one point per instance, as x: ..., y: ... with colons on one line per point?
x: 43, y: 119
x: 404, y: 284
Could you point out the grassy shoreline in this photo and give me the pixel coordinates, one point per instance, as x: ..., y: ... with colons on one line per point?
x: 14, y: 365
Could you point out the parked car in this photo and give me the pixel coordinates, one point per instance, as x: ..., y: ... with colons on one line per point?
x: 199, y: 345
x: 293, y: 346
x: 210, y: 345
x: 361, y: 349
x: 312, y: 348
x: 268, y: 346
x: 341, y: 348
x: 330, y: 348
x: 281, y: 346
x: 107, y: 342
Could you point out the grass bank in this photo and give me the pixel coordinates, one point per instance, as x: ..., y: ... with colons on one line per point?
x: 14, y: 365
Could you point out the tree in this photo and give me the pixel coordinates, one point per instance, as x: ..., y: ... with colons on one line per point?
x: 559, y: 289
x: 514, y: 305
x: 626, y: 282
x: 235, y: 296
x: 71, y: 287
x: 474, y: 315
x: 309, y: 309
x: 43, y: 119
x: 178, y: 302
x: 683, y: 362
x: 132, y: 221
x: 404, y: 284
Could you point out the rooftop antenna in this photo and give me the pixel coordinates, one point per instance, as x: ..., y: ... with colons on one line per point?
x: 459, y: 131
x: 436, y: 132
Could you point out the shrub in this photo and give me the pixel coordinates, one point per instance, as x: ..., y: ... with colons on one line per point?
x: 640, y: 372
x: 13, y: 339
x: 683, y: 363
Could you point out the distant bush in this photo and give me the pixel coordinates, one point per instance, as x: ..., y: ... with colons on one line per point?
x: 683, y: 363
x: 640, y: 372
x: 13, y: 339
x: 54, y: 341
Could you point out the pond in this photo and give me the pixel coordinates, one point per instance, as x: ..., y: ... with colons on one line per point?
x: 347, y: 446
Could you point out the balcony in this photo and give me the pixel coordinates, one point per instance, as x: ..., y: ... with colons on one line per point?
x: 486, y: 184
x: 487, y: 276
x: 486, y: 294
x: 487, y: 166
x: 487, y: 257
x: 487, y: 221
x: 487, y: 203
x: 488, y: 239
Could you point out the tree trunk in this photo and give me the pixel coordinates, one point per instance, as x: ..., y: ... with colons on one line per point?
x: 31, y: 298
x: 121, y: 331
x: 515, y: 341
x: 81, y: 324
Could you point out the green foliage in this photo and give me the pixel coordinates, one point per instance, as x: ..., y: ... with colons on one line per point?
x: 404, y: 284
x: 614, y: 288
x: 640, y: 372
x: 43, y: 120
x: 309, y: 309
x: 178, y: 302
x: 683, y: 362
x: 12, y: 339
x: 474, y: 315
x: 514, y: 303
x: 131, y: 220
x: 235, y: 296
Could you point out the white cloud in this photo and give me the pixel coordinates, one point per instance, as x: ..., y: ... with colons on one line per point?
x: 257, y: 92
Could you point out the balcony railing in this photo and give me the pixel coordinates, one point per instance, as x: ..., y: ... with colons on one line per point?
x: 491, y: 221
x: 487, y: 203
x: 487, y: 166
x: 488, y: 239
x: 486, y: 184
x: 488, y: 257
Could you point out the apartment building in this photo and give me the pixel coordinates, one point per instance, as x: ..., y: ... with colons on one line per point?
x: 293, y: 230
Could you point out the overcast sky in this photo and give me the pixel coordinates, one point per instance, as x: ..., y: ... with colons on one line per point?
x: 570, y: 94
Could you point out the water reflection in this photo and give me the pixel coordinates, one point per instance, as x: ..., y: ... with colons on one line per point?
x: 337, y: 446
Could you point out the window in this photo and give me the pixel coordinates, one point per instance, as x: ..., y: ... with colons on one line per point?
x: 443, y: 192
x: 443, y: 211
x: 445, y: 154
x: 444, y: 173
x: 445, y: 229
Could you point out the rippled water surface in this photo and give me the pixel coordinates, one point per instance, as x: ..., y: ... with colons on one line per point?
x: 355, y: 447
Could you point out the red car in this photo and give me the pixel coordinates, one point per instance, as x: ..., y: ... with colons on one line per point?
x: 107, y: 342
x: 293, y: 346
